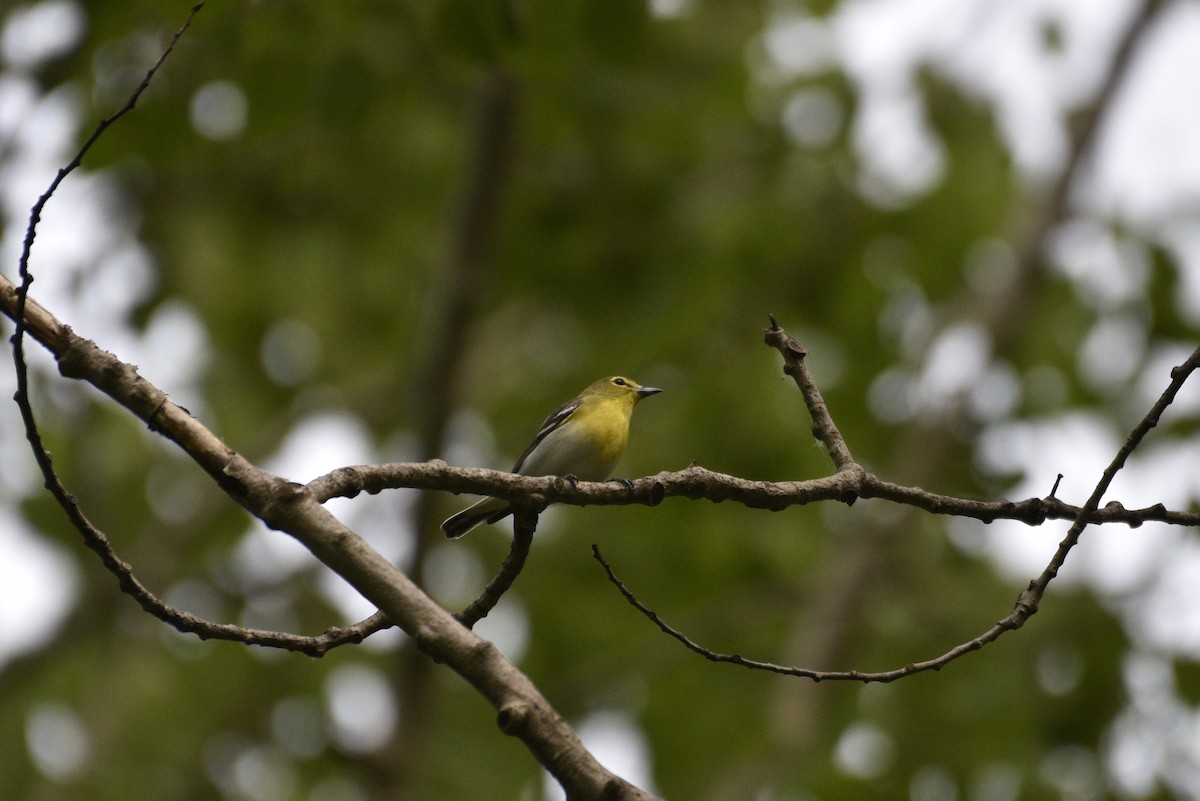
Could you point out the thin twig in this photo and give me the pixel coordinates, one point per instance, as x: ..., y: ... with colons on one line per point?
x: 35, y: 214
x: 770, y: 667
x: 94, y: 538
x: 1026, y: 606
x: 1028, y: 603
x: 823, y: 427
x: 696, y: 482
x: 524, y: 524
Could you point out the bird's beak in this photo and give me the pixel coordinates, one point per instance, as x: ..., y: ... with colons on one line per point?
x: 645, y: 392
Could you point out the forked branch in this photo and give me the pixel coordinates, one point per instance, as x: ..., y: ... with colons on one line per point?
x: 1027, y: 603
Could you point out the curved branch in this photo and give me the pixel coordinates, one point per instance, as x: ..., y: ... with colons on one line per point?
x: 31, y: 316
x: 1027, y: 603
x: 318, y: 646
x: 35, y: 214
x: 699, y: 483
x: 81, y: 358
x: 524, y: 524
x: 297, y: 511
x: 454, y: 299
x: 522, y: 710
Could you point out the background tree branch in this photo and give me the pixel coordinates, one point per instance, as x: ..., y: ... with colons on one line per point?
x: 80, y: 358
x: 677, y: 172
x: 288, y: 507
x: 1027, y: 603
x: 456, y: 295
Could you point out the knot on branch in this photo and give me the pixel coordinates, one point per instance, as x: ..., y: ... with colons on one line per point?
x: 351, y: 481
x: 513, y: 718
x: 777, y: 338
x: 1036, y: 510
x: 74, y: 359
x: 1158, y: 510
x: 1026, y: 606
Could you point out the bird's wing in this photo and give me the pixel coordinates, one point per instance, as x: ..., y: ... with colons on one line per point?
x: 556, y: 419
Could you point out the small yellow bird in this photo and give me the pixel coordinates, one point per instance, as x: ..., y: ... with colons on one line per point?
x: 583, y: 438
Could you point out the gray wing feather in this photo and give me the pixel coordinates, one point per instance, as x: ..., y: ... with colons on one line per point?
x: 556, y: 419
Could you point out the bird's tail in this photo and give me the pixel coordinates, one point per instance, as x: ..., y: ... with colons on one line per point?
x: 489, y: 510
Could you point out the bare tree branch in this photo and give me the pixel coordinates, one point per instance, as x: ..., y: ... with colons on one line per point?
x: 35, y: 214
x: 1029, y: 601
x: 697, y: 483
x: 293, y: 509
x: 454, y: 301
x: 523, y: 711
x: 524, y: 524
x: 30, y: 315
x: 16, y: 301
x: 81, y: 358
x: 318, y: 646
x: 823, y: 427
x: 1026, y: 606
x: 461, y: 283
x: 823, y: 631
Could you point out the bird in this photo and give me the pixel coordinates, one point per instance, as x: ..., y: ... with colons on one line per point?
x: 583, y: 439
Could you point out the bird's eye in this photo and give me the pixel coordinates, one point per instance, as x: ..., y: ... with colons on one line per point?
x: 620, y: 382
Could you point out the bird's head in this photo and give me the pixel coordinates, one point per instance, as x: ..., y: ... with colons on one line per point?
x: 618, y: 386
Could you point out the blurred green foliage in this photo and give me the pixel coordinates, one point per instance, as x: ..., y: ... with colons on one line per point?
x: 650, y: 219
